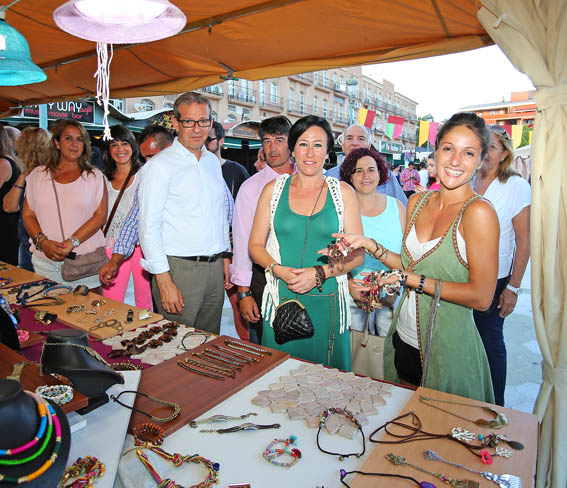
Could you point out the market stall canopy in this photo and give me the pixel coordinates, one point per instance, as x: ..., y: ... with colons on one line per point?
x: 251, y: 39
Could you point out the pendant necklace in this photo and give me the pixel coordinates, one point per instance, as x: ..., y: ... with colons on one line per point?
x: 496, y: 423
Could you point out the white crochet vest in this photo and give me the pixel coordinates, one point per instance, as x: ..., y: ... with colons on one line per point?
x: 271, y: 297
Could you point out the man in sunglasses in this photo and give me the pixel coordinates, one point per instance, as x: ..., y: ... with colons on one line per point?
x: 184, y: 232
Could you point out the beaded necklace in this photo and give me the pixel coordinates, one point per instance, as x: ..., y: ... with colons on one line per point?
x: 348, y: 415
x: 178, y: 460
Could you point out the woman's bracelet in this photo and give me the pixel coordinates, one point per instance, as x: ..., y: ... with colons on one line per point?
x: 320, y: 277
x: 20, y: 187
x: 59, y: 394
x: 419, y: 289
x: 270, y: 268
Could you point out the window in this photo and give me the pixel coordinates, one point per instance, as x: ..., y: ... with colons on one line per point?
x: 230, y: 88
x: 316, y: 105
x: 335, y: 110
x: 167, y: 105
x: 214, y: 115
x: 117, y: 103
x: 316, y: 77
x: 262, y: 92
x: 335, y: 78
x: 302, y: 102
x: 291, y: 99
x: 274, y: 92
x: 230, y: 118
x: 324, y: 108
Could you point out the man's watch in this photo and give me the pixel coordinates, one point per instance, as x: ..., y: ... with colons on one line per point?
x: 243, y: 294
x: 513, y: 289
x: 75, y: 242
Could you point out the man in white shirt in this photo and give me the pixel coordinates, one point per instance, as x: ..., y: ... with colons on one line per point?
x: 183, y: 228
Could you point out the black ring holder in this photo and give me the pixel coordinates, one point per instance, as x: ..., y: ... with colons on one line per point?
x: 19, y: 422
x: 89, y: 375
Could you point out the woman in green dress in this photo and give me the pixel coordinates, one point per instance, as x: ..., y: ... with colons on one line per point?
x: 294, y: 219
x: 450, y: 243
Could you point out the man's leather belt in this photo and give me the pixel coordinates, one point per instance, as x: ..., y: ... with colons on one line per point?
x: 206, y: 259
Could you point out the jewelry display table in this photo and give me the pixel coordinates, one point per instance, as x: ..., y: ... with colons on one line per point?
x: 522, y: 427
x: 103, y: 437
x: 193, y: 392
x: 240, y: 453
x: 31, y: 379
x: 19, y: 276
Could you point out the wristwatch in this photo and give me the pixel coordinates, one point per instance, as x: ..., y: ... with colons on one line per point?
x: 74, y: 242
x: 513, y: 289
x: 243, y: 294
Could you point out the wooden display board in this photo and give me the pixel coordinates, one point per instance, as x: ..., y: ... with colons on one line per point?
x: 19, y: 276
x: 31, y: 378
x: 522, y: 427
x: 84, y: 321
x: 194, y: 393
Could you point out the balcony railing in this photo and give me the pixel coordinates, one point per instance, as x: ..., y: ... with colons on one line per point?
x: 212, y: 90
x: 299, y: 108
x: 304, y: 77
x: 271, y: 101
x: 243, y: 95
x: 323, y: 82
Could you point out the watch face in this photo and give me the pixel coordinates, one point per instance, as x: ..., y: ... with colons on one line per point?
x: 75, y: 242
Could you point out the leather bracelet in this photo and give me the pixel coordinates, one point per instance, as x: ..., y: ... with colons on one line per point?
x: 147, y: 432
x: 59, y: 394
x: 20, y: 187
x: 419, y: 289
x: 320, y: 277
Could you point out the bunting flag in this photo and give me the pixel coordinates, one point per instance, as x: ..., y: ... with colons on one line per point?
x: 366, y: 117
x: 394, y: 127
x: 508, y: 128
x: 423, y: 132
x: 517, y: 135
x: 433, y: 128
x: 530, y: 134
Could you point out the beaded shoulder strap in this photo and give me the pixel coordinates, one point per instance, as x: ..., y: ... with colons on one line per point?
x: 335, y: 190
x: 276, y: 195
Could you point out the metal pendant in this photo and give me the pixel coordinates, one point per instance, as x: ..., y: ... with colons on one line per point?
x: 504, y: 480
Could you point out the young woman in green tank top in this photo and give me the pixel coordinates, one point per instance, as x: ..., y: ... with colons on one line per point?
x: 452, y: 357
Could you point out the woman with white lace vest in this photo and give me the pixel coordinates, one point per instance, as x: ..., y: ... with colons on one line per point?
x: 292, y: 222
x: 121, y: 164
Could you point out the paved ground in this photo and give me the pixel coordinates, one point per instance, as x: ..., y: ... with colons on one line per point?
x: 524, y: 357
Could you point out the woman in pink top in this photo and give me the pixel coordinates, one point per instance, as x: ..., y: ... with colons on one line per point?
x: 82, y: 200
x: 433, y: 183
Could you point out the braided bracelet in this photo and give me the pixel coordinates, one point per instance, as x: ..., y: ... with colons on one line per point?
x: 351, y: 417
x: 59, y: 394
x: 85, y: 470
x: 271, y: 452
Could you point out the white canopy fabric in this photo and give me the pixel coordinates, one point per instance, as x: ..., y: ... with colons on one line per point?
x: 533, y: 34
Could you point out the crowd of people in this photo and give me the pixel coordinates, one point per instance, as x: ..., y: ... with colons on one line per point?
x: 187, y: 226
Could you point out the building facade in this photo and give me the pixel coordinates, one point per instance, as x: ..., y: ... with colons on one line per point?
x: 334, y: 94
x: 519, y: 110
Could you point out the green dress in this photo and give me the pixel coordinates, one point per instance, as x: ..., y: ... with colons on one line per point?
x: 327, y: 346
x: 457, y: 363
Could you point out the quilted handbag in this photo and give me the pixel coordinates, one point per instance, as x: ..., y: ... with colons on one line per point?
x: 292, y: 322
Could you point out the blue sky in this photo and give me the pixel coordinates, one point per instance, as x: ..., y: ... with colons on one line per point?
x: 443, y: 84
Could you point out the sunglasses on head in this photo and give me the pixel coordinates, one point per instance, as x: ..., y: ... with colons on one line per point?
x: 500, y: 130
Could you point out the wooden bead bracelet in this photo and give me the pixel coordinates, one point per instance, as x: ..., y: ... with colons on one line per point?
x: 148, y: 433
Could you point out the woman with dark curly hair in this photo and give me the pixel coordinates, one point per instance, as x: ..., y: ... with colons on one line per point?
x: 383, y: 218
x: 121, y: 162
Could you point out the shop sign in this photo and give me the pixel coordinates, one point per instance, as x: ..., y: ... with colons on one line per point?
x: 391, y: 147
x: 79, y: 111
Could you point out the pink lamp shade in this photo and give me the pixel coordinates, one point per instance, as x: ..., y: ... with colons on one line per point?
x: 120, y: 22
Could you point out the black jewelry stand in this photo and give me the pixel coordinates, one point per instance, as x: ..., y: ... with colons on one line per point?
x: 65, y: 352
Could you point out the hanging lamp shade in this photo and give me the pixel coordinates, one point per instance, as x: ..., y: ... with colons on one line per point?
x: 16, y: 66
x: 120, y: 21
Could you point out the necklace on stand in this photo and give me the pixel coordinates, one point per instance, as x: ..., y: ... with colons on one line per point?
x: 502, y: 480
x: 496, y: 423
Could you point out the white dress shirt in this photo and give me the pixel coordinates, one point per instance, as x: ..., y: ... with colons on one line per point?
x: 182, y: 207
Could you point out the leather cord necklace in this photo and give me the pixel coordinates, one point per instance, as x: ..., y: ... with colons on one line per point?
x: 415, y: 432
x: 496, y: 423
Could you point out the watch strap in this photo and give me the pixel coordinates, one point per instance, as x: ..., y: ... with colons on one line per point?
x: 243, y: 294
x: 513, y: 289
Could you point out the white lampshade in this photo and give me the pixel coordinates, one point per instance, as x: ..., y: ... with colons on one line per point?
x: 120, y: 21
